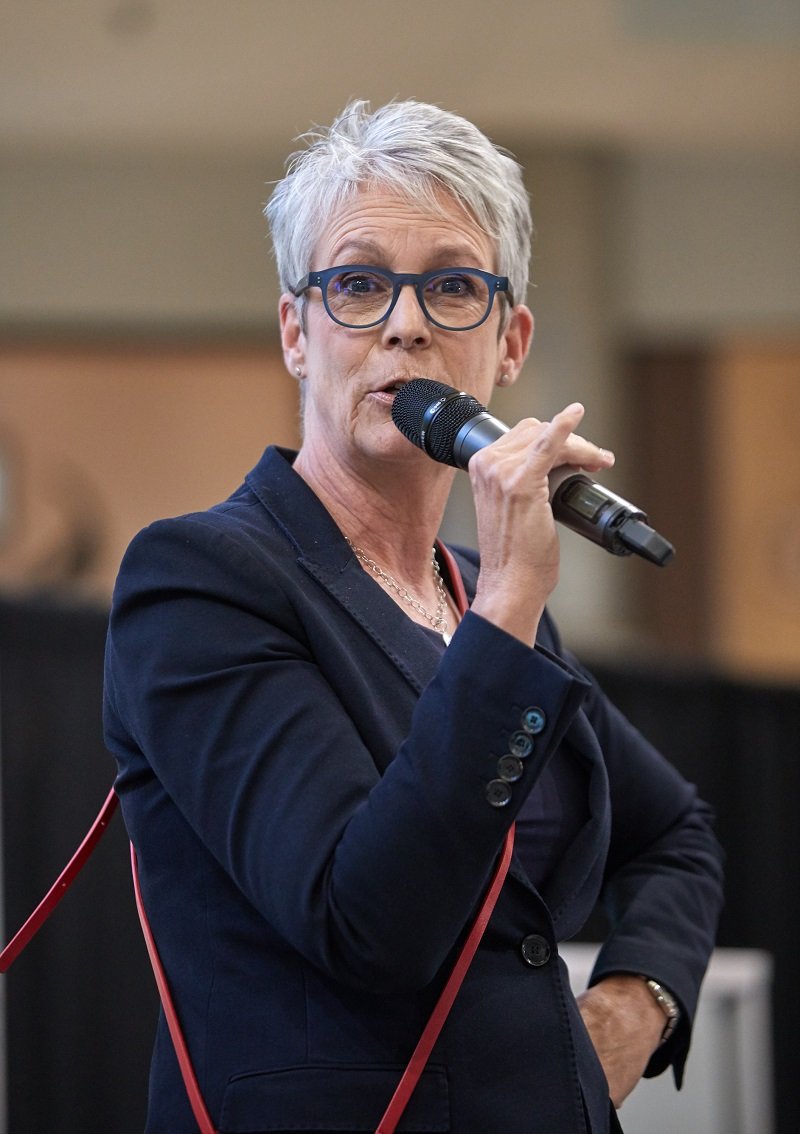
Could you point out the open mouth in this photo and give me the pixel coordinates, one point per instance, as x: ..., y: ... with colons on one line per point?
x: 389, y: 389
x: 396, y: 384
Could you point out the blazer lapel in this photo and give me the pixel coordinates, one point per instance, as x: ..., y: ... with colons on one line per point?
x: 323, y: 553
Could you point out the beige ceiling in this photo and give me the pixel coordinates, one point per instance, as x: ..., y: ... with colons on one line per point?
x: 251, y: 74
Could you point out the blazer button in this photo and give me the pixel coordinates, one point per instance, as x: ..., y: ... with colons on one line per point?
x: 520, y: 744
x: 498, y: 793
x: 534, y: 720
x: 510, y: 769
x: 535, y: 950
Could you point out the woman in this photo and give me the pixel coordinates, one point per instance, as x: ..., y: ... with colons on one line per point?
x: 320, y: 755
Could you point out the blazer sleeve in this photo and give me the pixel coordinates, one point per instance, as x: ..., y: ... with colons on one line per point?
x: 217, y: 694
x: 662, y: 889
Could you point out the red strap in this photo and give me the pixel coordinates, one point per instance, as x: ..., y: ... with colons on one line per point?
x: 456, y: 582
x: 49, y: 902
x: 60, y: 886
x: 196, y: 1102
x: 422, y: 1051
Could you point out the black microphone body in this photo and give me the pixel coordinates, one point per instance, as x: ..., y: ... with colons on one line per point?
x: 451, y: 426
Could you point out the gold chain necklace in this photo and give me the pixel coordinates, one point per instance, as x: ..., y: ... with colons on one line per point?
x: 438, y: 620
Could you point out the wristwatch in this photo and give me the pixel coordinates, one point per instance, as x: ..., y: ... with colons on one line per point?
x: 667, y: 1003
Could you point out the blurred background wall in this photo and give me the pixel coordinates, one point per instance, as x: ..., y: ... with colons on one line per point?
x: 139, y: 138
x: 140, y: 373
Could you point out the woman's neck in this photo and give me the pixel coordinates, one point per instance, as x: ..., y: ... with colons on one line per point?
x: 393, y: 514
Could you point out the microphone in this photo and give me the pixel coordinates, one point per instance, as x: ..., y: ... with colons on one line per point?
x: 451, y: 426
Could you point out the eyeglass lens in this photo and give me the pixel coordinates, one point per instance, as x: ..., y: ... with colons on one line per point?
x: 452, y: 299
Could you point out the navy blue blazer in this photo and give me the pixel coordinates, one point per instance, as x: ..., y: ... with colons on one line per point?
x: 307, y: 782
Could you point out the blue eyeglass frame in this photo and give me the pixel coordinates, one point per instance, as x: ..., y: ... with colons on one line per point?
x: 497, y: 285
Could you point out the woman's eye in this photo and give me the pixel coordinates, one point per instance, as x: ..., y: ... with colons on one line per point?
x: 360, y: 284
x: 452, y: 285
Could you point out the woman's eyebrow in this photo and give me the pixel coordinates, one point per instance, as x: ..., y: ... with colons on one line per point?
x: 367, y: 252
x: 359, y: 252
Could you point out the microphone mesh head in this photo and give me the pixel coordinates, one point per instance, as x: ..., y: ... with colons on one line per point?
x: 437, y: 435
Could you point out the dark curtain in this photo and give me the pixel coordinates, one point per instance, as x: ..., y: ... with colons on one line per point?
x: 80, y: 1002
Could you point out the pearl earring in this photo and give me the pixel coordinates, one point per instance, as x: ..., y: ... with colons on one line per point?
x: 298, y: 371
x: 503, y: 380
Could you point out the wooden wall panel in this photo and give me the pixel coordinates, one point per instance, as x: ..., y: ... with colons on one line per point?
x: 716, y: 438
x: 669, y: 474
x: 97, y: 440
x: 755, y: 504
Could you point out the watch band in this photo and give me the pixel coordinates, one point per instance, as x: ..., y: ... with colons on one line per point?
x: 667, y: 1003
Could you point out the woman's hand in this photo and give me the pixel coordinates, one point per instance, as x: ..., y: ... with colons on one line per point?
x: 625, y: 1025
x: 516, y: 530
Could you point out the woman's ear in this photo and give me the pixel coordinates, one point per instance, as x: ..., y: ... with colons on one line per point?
x: 293, y: 338
x: 515, y: 342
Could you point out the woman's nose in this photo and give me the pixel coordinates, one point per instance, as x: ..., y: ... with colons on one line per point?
x: 407, y: 325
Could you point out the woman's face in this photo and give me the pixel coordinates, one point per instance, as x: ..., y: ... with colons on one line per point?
x: 350, y: 375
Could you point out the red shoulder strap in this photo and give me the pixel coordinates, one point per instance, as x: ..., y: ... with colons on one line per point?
x: 456, y: 582
x: 49, y: 902
x: 416, y: 1065
x: 196, y: 1100
x: 59, y: 888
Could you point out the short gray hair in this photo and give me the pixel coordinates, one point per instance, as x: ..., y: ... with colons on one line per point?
x: 412, y: 148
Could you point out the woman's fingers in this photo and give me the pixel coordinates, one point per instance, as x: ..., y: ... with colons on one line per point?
x: 541, y: 446
x: 559, y: 444
x: 517, y: 536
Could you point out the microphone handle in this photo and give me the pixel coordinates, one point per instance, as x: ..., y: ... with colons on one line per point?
x: 605, y: 518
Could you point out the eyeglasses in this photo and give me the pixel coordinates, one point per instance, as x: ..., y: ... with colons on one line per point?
x: 360, y: 295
